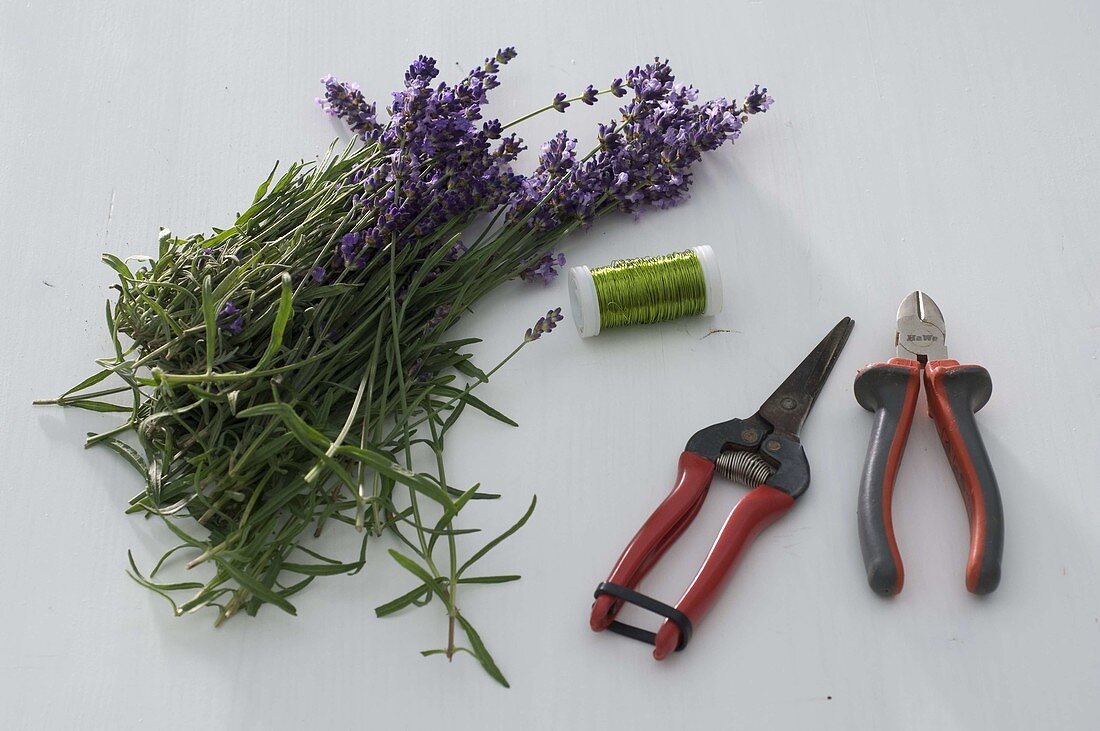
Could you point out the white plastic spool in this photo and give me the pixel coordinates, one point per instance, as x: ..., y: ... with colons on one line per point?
x: 585, y: 303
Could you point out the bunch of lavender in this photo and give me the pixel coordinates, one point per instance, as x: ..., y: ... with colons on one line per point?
x: 294, y: 370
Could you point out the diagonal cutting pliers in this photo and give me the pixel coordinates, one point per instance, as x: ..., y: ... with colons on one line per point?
x: 955, y: 393
x: 762, y: 451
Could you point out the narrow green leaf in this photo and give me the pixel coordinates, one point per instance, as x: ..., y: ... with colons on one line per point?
x: 481, y: 652
x: 406, y: 599
x: 467, y: 368
x: 455, y: 507
x: 167, y: 554
x: 119, y: 266
x: 379, y: 462
x: 100, y: 406
x: 219, y: 237
x: 449, y: 514
x: 331, y: 290
x: 454, y: 344
x: 465, y: 395
x: 253, y: 585
x: 129, y: 454
x: 429, y: 653
x: 262, y: 190
x: 318, y: 556
x: 487, y: 409
x: 321, y: 569
x: 161, y: 589
x: 282, y: 317
x: 112, y: 328
x: 504, y: 579
x: 453, y: 416
x: 163, y: 240
x: 289, y: 417
x: 295, y: 588
x: 419, y: 572
x: 88, y: 382
x: 210, y: 319
x: 503, y: 536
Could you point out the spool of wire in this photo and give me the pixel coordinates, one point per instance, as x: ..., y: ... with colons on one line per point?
x: 644, y: 290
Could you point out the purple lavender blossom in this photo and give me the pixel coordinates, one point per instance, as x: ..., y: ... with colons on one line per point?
x: 350, y: 246
x: 439, y: 315
x: 758, y: 100
x: 509, y: 148
x: 436, y: 164
x: 457, y: 251
x: 643, y: 159
x: 609, y: 137
x: 544, y: 269
x: 416, y: 371
x: 421, y: 71
x: 346, y: 102
x: 544, y: 325
x: 230, y: 319
x: 317, y: 274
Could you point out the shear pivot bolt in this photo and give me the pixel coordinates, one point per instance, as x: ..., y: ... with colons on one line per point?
x: 749, y: 435
x: 788, y: 403
x: 773, y: 446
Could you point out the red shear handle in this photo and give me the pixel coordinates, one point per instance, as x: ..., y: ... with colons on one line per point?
x: 955, y: 393
x: 668, y: 521
x: 754, y: 512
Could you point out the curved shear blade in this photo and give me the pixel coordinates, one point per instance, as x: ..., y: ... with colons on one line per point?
x: 786, y: 409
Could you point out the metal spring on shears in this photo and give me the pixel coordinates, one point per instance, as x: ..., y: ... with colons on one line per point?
x: 747, y: 468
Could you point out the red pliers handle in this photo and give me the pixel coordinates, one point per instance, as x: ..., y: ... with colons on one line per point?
x: 758, y: 509
x: 955, y: 393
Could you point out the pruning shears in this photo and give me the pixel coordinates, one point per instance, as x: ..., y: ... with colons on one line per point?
x: 762, y: 452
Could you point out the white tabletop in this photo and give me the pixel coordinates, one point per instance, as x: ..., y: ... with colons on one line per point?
x: 940, y: 146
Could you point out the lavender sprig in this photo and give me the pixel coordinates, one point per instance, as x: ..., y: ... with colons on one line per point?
x: 544, y: 325
x: 758, y: 100
x: 544, y: 270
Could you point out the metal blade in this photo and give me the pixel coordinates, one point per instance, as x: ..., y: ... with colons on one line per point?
x: 922, y: 334
x: 786, y: 409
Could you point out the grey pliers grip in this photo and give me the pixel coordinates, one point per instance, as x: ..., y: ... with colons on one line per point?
x: 955, y: 393
x: 889, y: 390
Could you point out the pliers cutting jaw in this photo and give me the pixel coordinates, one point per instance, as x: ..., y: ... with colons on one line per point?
x: 763, y: 452
x: 921, y: 333
x: 955, y: 393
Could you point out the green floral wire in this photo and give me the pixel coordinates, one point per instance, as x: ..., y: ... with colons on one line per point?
x: 650, y: 289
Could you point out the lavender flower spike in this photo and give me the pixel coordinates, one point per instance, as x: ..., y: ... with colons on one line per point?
x: 346, y: 102
x: 559, y: 102
x: 543, y: 269
x: 589, y: 95
x: 544, y: 325
x: 230, y: 319
x: 758, y: 100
